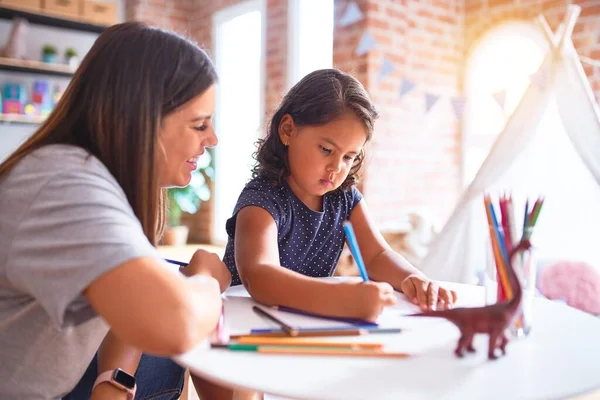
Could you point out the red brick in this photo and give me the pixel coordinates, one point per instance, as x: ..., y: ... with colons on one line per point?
x: 371, y: 7
x: 379, y: 24
x: 590, y: 10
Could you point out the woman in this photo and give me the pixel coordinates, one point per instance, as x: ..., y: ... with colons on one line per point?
x: 82, y: 206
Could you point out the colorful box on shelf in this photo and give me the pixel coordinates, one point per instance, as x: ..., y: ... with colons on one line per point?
x: 14, y: 98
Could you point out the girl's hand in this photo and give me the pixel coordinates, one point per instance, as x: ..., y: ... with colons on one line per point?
x: 207, y: 263
x: 427, y: 294
x: 369, y: 299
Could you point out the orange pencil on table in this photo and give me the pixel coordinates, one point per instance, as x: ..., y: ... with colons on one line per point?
x: 310, y: 351
x: 306, y: 342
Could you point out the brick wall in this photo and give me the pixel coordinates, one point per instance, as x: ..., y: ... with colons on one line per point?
x: 414, y: 156
x: 480, y: 15
x: 168, y: 14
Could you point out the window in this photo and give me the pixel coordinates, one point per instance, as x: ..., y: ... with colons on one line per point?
x: 502, y: 61
x: 310, y: 45
x: 239, y: 43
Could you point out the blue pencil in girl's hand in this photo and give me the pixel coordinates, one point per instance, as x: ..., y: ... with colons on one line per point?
x: 355, y: 250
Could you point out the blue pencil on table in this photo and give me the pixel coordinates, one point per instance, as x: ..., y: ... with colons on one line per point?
x: 369, y: 329
x: 355, y: 250
x: 180, y: 263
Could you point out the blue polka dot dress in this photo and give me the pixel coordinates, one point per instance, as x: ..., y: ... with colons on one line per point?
x: 310, y: 242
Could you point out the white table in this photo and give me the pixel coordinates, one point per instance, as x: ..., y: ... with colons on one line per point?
x: 560, y: 359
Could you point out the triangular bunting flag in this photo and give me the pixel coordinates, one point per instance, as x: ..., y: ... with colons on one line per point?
x: 387, y: 67
x: 351, y: 15
x: 406, y: 86
x: 430, y: 100
x: 500, y: 98
x: 540, y: 78
x: 366, y: 44
x: 458, y: 104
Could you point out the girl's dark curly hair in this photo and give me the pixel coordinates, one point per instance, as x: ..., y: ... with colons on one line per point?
x: 319, y: 98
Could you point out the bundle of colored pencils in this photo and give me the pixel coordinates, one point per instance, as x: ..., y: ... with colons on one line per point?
x: 503, y: 234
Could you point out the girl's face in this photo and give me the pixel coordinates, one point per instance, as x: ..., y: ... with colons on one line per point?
x: 320, y: 157
x: 184, y: 136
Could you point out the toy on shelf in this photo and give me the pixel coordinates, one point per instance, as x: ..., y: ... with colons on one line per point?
x: 58, y: 92
x: 41, y: 98
x: 16, y: 46
x: 14, y: 98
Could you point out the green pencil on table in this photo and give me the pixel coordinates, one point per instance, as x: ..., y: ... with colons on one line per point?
x: 309, y: 351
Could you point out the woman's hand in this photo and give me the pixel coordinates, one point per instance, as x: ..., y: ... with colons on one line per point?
x: 427, y: 294
x: 207, y: 263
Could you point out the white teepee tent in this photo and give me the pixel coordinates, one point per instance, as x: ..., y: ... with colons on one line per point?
x: 549, y: 146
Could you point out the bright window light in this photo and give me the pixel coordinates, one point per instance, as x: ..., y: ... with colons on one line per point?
x: 310, y: 37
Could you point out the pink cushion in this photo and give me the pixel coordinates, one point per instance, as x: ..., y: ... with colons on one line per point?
x: 577, y: 283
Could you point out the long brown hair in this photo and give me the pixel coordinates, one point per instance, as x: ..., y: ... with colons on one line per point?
x: 319, y: 98
x: 132, y: 77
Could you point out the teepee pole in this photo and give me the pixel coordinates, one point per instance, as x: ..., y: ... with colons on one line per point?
x: 569, y: 23
x: 547, y: 31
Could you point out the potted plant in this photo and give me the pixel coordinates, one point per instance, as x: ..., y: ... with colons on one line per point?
x: 187, y: 200
x: 71, y: 58
x: 49, y: 53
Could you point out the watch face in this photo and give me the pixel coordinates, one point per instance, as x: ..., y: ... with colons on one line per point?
x: 124, y: 378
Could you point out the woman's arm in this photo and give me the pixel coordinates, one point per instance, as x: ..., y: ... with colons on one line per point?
x: 385, y: 265
x: 151, y: 308
x: 114, y: 353
x: 257, y: 260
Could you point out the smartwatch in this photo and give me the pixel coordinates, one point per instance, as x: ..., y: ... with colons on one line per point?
x: 119, y: 379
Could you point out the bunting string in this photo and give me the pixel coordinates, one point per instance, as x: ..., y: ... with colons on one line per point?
x: 368, y: 43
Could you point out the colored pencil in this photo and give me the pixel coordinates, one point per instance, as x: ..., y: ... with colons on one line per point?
x: 355, y: 250
x: 353, y: 321
x: 288, y: 329
x: 318, y: 332
x: 536, y: 211
x: 525, y: 220
x: 288, y: 350
x: 261, y: 333
x: 303, y: 342
x: 494, y: 243
x: 180, y: 263
x: 501, y: 264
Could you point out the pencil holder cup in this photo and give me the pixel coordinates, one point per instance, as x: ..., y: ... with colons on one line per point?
x: 497, y: 279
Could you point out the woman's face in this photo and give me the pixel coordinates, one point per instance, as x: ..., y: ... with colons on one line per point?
x: 184, y: 136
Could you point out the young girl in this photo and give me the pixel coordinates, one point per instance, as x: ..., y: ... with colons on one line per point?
x: 286, y: 228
